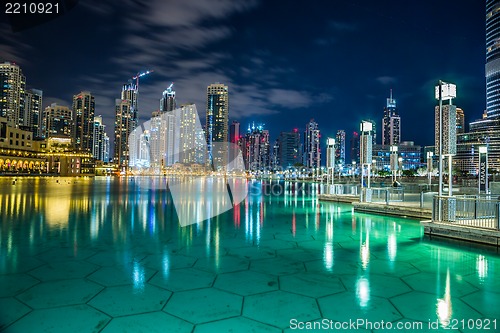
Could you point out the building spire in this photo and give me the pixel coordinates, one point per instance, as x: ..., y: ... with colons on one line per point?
x: 391, y: 93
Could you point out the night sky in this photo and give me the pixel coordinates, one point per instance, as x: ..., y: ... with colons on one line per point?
x: 285, y: 62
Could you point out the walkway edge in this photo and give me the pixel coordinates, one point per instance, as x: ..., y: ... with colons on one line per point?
x: 461, y: 232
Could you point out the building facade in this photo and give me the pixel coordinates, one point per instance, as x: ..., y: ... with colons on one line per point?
x: 57, y: 120
x: 288, y: 150
x: 391, y: 123
x: 83, y: 121
x: 217, y: 117
x: 340, y: 147
x: 312, y: 145
x: 98, y: 145
x: 13, y: 94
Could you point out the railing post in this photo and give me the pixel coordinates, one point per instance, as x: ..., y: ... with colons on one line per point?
x: 497, y: 217
x: 386, y: 196
x: 422, y: 199
x: 475, y: 206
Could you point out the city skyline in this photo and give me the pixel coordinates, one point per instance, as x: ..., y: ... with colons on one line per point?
x: 273, y: 82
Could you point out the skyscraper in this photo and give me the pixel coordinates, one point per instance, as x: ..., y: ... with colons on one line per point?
x: 355, y: 140
x: 123, y: 127
x: 492, y: 59
x: 12, y: 94
x: 33, y: 105
x: 83, y: 121
x: 57, y: 121
x: 217, y: 118
x: 98, y: 145
x: 289, y: 148
x: 391, y: 124
x: 167, y: 102
x: 129, y: 93
x: 258, y: 149
x: 340, y: 147
x: 187, y: 134
x: 460, y: 121
x: 312, y: 148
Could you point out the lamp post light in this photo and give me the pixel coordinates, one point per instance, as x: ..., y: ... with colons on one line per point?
x: 353, y: 169
x: 394, y: 162
x: 429, y: 166
x: 400, y: 167
x: 447, y: 144
x: 483, y: 169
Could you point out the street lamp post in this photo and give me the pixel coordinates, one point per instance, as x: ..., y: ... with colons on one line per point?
x: 429, y: 166
x: 353, y: 169
x: 394, y: 162
x: 400, y: 167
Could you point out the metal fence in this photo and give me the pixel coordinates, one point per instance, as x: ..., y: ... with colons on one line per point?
x: 474, y: 211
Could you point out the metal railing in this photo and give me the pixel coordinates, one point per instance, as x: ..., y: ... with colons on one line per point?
x: 473, y: 211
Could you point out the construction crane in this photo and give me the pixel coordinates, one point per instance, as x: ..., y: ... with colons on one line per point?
x: 138, y: 75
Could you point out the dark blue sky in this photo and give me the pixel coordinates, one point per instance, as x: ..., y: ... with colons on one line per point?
x: 284, y: 61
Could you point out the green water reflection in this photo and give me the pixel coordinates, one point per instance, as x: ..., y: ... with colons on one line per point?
x: 387, y: 266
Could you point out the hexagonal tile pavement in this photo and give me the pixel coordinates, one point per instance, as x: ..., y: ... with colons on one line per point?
x: 299, y: 254
x: 121, y: 275
x: 237, y: 324
x: 183, y: 279
x: 204, y: 305
x: 222, y: 264
x: 333, y: 266
x: 65, y: 254
x: 485, y: 302
x: 14, y: 284
x: 20, y: 265
x: 351, y: 306
x: 277, y: 308
x: 430, y: 283
x: 394, y: 268
x: 277, y: 266
x: 166, y: 262
x: 114, y: 258
x: 60, y: 293
x: 424, y: 307
x: 277, y: 244
x: 63, y: 270
x: 379, y: 285
x: 311, y: 284
x: 153, y: 322
x: 11, y: 310
x: 246, y: 282
x: 253, y: 252
x: 76, y: 318
x: 127, y: 300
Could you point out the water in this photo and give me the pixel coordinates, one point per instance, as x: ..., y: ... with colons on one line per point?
x: 110, y: 255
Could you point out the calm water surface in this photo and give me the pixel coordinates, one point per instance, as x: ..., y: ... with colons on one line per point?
x: 109, y: 255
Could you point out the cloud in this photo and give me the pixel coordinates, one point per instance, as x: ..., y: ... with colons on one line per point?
x: 386, y: 79
x: 12, y: 49
x: 290, y: 99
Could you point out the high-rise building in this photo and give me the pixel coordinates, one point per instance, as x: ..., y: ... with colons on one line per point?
x: 355, y: 144
x: 99, y: 137
x: 217, y: 125
x: 83, y: 121
x: 130, y: 93
x: 312, y: 148
x: 460, y: 121
x: 340, y: 147
x: 485, y: 131
x: 12, y: 94
x: 492, y: 59
x: 57, y: 121
x: 258, y: 150
x: 124, y: 125
x: 33, y: 105
x: 289, y: 149
x: 187, y: 134
x: 391, y: 124
x: 106, y: 148
x: 167, y: 102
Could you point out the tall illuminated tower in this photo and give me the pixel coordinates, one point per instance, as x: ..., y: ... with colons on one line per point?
x: 340, y: 147
x: 12, y: 94
x: 492, y: 59
x: 83, y: 121
x: 217, y: 118
x: 123, y: 128
x: 391, y: 124
x: 312, y: 150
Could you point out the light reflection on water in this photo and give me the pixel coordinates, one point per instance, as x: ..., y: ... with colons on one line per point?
x: 39, y: 214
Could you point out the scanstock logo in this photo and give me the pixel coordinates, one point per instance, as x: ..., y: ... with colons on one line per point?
x: 175, y: 141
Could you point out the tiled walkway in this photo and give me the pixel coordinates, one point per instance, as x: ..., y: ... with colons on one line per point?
x: 274, y: 262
